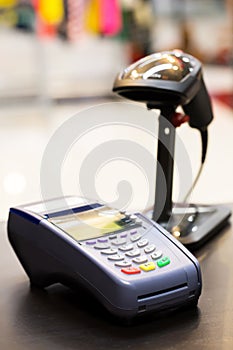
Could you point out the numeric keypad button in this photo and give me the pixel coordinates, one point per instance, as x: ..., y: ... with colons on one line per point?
x: 142, y: 243
x: 124, y: 263
x: 102, y: 246
x: 118, y: 241
x: 157, y: 255
x: 126, y: 247
x: 133, y: 253
x: 149, y: 249
x: 116, y: 257
x: 109, y: 251
x: 140, y: 259
x: 135, y: 237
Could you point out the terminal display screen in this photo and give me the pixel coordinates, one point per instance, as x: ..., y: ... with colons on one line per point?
x: 89, y: 223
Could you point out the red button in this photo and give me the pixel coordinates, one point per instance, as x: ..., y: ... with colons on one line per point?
x: 131, y: 270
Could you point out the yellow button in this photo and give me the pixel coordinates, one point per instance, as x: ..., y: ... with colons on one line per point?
x: 147, y: 266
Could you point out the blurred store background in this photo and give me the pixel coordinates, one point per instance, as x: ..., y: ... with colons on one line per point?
x: 58, y: 57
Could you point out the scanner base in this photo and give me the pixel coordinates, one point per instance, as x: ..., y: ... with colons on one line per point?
x: 194, y: 224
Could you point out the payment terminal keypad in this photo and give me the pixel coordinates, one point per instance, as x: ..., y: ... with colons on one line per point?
x: 130, y: 251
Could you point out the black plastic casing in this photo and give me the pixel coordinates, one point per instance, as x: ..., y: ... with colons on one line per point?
x: 190, y: 92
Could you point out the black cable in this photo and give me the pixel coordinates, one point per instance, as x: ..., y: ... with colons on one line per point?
x: 204, y: 144
x: 204, y: 140
x: 186, y: 223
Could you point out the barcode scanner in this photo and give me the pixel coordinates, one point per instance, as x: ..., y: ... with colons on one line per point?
x: 164, y: 81
x: 169, y: 78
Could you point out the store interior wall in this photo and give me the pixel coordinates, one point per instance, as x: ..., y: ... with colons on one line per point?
x: 45, y: 80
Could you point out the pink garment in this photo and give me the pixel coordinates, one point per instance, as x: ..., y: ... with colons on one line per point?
x: 110, y: 15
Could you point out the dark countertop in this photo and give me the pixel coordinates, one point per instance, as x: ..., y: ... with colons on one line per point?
x: 60, y: 318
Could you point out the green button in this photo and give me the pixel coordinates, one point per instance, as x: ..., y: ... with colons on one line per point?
x: 163, y: 262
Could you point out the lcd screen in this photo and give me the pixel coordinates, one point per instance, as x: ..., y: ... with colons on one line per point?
x: 91, y: 223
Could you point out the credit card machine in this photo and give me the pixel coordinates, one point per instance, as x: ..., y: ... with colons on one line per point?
x: 128, y: 262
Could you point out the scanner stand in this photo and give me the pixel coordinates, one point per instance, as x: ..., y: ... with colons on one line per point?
x: 191, y: 224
